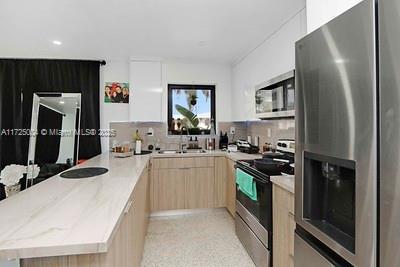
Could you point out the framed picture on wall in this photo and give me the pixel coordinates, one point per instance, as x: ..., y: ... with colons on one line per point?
x: 116, y: 92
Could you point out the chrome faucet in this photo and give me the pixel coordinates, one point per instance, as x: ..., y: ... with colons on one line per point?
x: 183, y: 146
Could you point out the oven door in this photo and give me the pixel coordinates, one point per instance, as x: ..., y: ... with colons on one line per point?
x: 257, y: 214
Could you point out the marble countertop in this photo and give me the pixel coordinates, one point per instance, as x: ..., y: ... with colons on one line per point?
x: 75, y: 216
x: 284, y: 181
x: 69, y: 216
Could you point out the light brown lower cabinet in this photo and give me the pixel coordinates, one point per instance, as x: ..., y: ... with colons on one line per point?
x: 199, y: 188
x: 188, y: 183
x: 221, y: 181
x: 127, y: 246
x: 284, y: 226
x: 231, y: 187
x: 167, y: 189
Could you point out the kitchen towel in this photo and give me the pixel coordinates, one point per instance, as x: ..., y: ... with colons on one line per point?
x: 246, y: 184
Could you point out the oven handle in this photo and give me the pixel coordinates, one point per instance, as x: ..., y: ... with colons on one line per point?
x: 260, y: 181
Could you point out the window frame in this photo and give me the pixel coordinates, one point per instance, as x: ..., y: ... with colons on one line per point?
x: 199, y: 87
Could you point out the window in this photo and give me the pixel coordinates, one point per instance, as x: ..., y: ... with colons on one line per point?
x: 191, y: 106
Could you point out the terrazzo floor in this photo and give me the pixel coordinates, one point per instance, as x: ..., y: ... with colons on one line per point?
x: 203, y: 239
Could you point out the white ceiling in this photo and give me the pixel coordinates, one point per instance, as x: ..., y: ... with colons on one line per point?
x: 194, y: 30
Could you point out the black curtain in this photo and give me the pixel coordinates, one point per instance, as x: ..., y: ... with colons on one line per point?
x: 19, y: 79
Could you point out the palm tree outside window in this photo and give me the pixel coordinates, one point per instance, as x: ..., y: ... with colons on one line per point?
x: 192, y: 107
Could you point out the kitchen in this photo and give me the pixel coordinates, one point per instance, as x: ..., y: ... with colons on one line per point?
x: 273, y: 149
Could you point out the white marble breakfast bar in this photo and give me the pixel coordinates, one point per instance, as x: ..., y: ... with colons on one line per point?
x: 69, y: 216
x: 60, y: 217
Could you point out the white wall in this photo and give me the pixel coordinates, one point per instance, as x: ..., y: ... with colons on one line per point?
x: 273, y: 57
x: 320, y: 12
x: 148, y: 89
x: 114, y: 71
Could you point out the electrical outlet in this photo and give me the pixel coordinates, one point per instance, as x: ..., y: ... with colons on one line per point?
x: 232, y: 130
x: 268, y: 132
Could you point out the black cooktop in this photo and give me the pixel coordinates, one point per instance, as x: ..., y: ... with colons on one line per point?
x: 270, y: 164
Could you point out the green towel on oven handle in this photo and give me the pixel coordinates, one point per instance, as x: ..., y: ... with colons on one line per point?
x: 246, y: 184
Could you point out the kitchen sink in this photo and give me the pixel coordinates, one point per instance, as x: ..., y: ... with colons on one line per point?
x: 195, y: 151
x: 169, y: 152
x: 189, y: 151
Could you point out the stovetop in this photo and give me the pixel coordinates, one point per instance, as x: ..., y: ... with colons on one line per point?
x: 282, y: 161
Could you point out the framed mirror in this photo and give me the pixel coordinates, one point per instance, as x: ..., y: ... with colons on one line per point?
x: 55, y: 127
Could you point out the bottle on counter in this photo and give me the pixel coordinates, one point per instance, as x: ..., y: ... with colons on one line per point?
x: 138, y: 143
x: 138, y: 147
x: 190, y: 143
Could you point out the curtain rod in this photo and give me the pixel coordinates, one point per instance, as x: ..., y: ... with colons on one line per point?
x: 101, y: 61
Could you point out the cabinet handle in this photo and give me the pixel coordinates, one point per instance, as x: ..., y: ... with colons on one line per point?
x: 128, y: 206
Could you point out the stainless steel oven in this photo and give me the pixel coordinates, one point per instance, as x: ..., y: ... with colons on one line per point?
x: 253, y: 219
x: 336, y: 141
x: 275, y: 98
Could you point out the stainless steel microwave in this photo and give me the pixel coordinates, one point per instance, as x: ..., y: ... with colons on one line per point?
x: 275, y: 98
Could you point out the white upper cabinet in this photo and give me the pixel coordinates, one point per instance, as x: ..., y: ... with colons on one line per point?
x: 146, y: 92
x: 272, y: 58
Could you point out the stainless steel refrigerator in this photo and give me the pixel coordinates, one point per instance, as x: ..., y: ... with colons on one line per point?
x: 348, y: 139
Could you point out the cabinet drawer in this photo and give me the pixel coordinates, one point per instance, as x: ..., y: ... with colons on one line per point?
x: 177, y: 163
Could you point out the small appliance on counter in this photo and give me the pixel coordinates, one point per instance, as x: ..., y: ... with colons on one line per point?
x: 223, y: 141
x: 246, y: 147
x: 210, y: 143
x: 232, y: 148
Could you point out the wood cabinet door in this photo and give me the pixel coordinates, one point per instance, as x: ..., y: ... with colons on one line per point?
x: 199, y: 188
x: 168, y: 189
x: 231, y: 187
x: 221, y: 181
x: 283, y: 225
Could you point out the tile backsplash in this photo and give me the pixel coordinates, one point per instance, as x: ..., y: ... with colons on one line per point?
x: 268, y: 131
